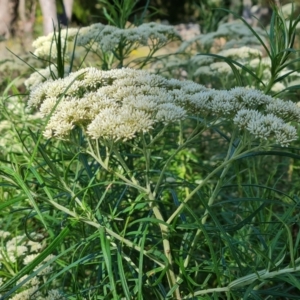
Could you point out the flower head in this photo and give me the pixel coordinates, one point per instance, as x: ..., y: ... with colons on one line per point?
x: 107, y: 38
x: 45, y: 46
x: 114, y: 104
x: 119, y: 104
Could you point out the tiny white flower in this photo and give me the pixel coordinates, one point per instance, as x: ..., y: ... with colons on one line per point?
x: 4, y: 234
x: 29, y: 258
x: 55, y: 294
x: 120, y: 104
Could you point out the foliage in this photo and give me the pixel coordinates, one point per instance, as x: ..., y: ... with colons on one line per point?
x: 192, y: 193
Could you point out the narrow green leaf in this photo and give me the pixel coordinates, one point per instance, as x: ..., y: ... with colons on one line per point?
x: 290, y: 240
x: 123, y: 278
x: 26, y: 190
x: 250, y: 28
x: 12, y: 201
x: 232, y: 64
x: 29, y: 268
x: 141, y: 265
x: 106, y: 251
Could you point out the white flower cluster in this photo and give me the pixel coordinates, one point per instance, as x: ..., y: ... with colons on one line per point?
x: 121, y: 103
x: 243, y: 52
x: 4, y: 234
x: 228, y: 35
x: 53, y: 294
x: 32, y: 292
x: 42, y: 75
x: 24, y: 250
x: 263, y: 126
x: 243, y: 55
x: 11, y: 122
x: 46, y: 270
x: 108, y: 38
x: 31, y: 288
x: 26, y: 294
x: 114, y: 104
x: 18, y: 246
x: 249, y: 57
x: 45, y: 46
x: 233, y: 40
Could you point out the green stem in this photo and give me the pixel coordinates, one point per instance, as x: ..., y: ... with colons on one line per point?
x: 214, y: 195
x: 124, y: 165
x: 122, y: 240
x: 107, y: 230
x: 166, y: 245
x: 163, y: 228
x: 155, y: 138
x: 246, y: 280
x: 203, y: 221
x: 204, y: 182
x: 193, y: 137
x: 147, y: 154
x: 6, y: 264
x: 120, y: 176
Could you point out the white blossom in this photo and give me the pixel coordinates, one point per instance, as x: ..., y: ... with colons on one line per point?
x: 26, y: 294
x: 39, y: 76
x: 168, y: 113
x: 55, y: 294
x: 29, y: 258
x: 250, y: 97
x: 278, y: 87
x: 107, y: 38
x: 243, y: 52
x: 4, y: 234
x: 221, y: 68
x: 265, y: 126
x: 264, y: 62
x: 286, y: 109
x: 119, y: 123
x: 123, y: 103
x: 34, y: 246
x: 32, y: 282
x: 45, y: 46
